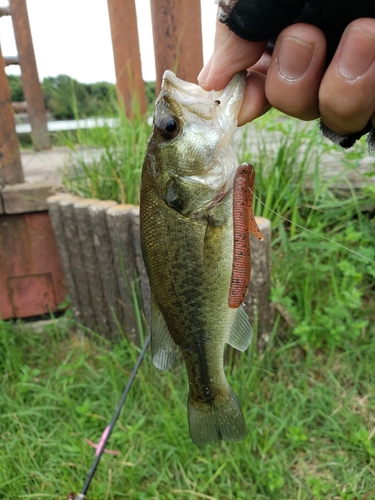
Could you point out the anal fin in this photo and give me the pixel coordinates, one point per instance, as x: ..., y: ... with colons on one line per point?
x: 163, y: 348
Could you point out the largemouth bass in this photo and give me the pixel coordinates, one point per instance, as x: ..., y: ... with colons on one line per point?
x: 186, y: 211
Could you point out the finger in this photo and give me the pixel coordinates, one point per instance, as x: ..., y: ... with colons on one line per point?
x: 263, y: 64
x: 231, y: 54
x: 296, y: 70
x: 254, y: 103
x: 347, y: 91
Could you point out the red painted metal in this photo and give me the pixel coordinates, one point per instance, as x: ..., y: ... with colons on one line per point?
x: 31, y: 295
x: 31, y: 278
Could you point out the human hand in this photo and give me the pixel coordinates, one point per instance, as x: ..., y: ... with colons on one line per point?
x: 295, y: 80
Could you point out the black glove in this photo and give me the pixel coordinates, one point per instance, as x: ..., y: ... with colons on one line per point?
x: 260, y: 20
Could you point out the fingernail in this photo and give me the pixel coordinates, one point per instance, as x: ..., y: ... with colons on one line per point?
x: 294, y: 58
x: 357, y: 53
x: 202, y: 77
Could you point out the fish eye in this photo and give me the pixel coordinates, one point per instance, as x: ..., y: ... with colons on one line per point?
x: 169, y: 127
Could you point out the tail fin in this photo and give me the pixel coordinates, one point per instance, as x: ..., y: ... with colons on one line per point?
x: 219, y: 419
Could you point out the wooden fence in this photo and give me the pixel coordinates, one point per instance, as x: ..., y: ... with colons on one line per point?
x: 31, y: 281
x: 178, y: 46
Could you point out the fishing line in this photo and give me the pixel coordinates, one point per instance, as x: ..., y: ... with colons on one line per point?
x: 314, y: 233
x: 108, y: 430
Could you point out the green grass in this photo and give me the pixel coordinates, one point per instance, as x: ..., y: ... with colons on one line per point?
x: 310, y: 418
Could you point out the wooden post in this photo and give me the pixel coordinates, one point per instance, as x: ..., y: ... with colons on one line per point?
x: 55, y: 213
x: 257, y: 300
x: 124, y: 32
x: 30, y: 79
x: 10, y: 160
x: 176, y: 26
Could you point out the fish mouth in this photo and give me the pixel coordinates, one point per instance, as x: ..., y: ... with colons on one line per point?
x: 170, y: 81
x: 201, y: 102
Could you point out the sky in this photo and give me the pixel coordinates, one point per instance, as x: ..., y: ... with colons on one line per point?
x: 73, y: 37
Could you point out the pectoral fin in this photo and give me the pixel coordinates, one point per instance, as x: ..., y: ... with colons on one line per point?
x: 241, y: 332
x: 163, y: 347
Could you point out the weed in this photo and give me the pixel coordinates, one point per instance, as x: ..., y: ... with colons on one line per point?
x: 107, y: 161
x: 323, y: 243
x: 309, y: 419
x: 323, y: 238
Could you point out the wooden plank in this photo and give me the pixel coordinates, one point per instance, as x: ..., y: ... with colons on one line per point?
x: 26, y: 197
x: 91, y: 264
x: 144, y: 283
x: 119, y: 220
x: 77, y: 260
x: 62, y: 245
x: 106, y: 270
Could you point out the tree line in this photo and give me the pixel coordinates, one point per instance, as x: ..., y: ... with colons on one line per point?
x: 66, y: 98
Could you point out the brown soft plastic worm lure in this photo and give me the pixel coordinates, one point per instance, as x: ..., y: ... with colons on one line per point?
x: 243, y: 223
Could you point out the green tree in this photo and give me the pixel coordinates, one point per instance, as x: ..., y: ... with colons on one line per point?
x: 150, y: 88
x: 67, y: 98
x: 101, y: 98
x: 64, y: 96
x: 16, y: 88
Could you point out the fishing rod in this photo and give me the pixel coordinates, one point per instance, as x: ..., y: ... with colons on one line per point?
x: 108, y: 430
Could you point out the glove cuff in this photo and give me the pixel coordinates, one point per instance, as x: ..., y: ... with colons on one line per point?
x: 347, y: 141
x: 258, y: 20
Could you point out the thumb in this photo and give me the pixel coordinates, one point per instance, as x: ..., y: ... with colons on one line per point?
x: 231, y: 55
